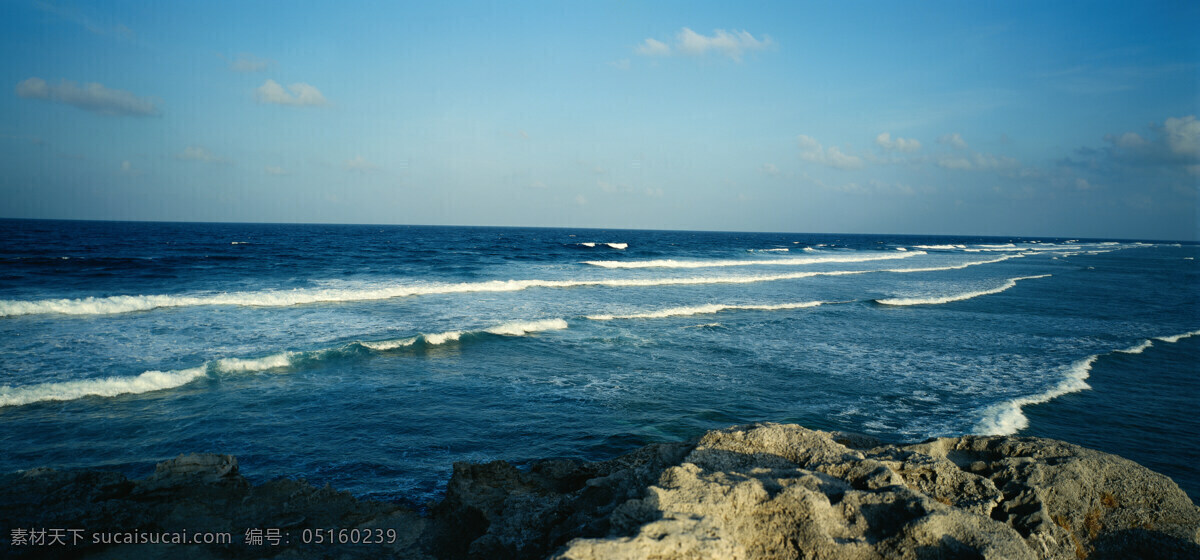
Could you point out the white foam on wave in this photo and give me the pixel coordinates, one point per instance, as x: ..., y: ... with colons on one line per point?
x: 1177, y: 337
x: 957, y: 297
x: 1007, y: 418
x: 247, y: 365
x: 515, y: 328
x: 687, y: 311
x: 779, y: 250
x: 955, y: 266
x: 901, y: 249
x: 591, y: 245
x: 128, y: 304
x: 106, y: 387
x: 1139, y: 348
x: 671, y: 263
x: 160, y: 380
x: 940, y: 247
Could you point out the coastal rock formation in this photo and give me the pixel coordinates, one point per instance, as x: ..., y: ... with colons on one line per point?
x: 62, y: 514
x: 758, y: 491
x: 779, y: 491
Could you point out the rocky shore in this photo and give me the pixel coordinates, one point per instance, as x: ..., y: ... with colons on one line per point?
x: 755, y: 491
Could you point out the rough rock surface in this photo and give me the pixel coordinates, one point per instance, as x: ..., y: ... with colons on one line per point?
x: 196, y: 493
x: 780, y: 491
x: 756, y: 491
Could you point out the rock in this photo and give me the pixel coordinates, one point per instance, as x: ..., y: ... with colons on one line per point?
x: 197, y: 467
x: 762, y: 491
x: 773, y: 491
x: 197, y: 494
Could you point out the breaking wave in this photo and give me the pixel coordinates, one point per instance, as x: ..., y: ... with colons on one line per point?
x: 160, y: 380
x: 128, y: 304
x: 705, y: 309
x: 1177, y: 337
x: 1007, y: 418
x: 592, y: 245
x: 107, y: 387
x: 956, y: 297
x: 671, y: 263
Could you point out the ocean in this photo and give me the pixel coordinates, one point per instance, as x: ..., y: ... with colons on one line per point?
x: 372, y: 358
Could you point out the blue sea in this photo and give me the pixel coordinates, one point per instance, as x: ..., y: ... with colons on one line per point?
x: 374, y: 357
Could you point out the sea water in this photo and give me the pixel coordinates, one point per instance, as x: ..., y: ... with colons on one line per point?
x: 374, y: 357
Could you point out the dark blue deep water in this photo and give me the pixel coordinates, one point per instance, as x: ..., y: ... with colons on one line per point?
x: 373, y: 357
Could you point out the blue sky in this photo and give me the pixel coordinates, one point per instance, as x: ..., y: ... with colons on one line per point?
x: 1041, y: 119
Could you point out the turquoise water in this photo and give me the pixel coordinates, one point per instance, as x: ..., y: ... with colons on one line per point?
x: 373, y: 357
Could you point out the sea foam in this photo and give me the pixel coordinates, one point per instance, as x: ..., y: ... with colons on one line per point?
x: 956, y: 297
x: 704, y: 309
x: 1007, y: 418
x: 300, y: 296
x: 671, y: 263
x: 160, y: 380
x: 106, y: 387
x: 1177, y: 337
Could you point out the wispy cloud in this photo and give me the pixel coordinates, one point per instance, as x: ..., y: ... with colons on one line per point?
x: 359, y: 164
x: 730, y: 44
x: 884, y: 140
x: 197, y: 153
x: 77, y: 17
x: 247, y: 63
x: 976, y: 161
x: 302, y: 95
x: 622, y: 64
x: 652, y: 47
x: 92, y: 97
x: 275, y: 170
x: 954, y: 140
x: 812, y: 151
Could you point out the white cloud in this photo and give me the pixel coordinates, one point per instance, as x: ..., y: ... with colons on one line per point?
x: 651, y: 47
x: 1130, y: 140
x: 197, y: 153
x: 731, y: 44
x: 92, y: 97
x: 275, y: 170
x: 811, y: 150
x: 1175, y: 142
x: 581, y: 200
x: 953, y: 140
x: 301, y: 94
x: 976, y: 161
x: 884, y: 140
x: 247, y: 63
x: 1183, y: 135
x: 358, y: 163
x: 769, y: 169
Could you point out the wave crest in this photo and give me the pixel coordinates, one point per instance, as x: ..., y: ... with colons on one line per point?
x: 956, y: 297
x: 704, y: 309
x: 671, y: 263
